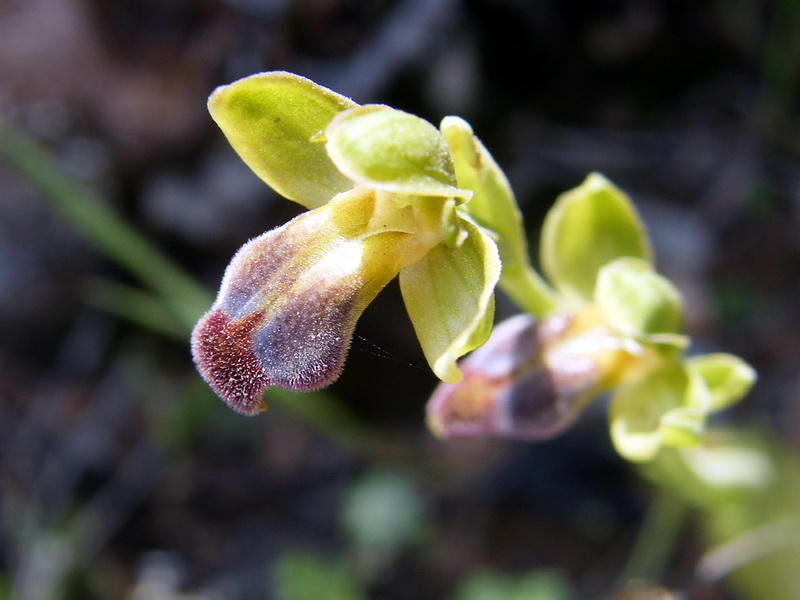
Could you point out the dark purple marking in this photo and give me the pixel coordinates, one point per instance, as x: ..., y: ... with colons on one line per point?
x: 223, y: 352
x: 509, y: 390
x: 301, y: 346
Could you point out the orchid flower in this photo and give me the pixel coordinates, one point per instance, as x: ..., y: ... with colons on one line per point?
x: 389, y: 195
x: 613, y: 325
x: 383, y: 200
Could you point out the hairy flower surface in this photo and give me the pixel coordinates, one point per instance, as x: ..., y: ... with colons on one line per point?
x: 383, y: 201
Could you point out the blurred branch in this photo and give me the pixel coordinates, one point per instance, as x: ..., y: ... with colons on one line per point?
x: 106, y: 229
x: 134, y: 304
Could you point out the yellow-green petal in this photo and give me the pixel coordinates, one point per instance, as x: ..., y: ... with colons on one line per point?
x: 270, y: 120
x: 728, y: 377
x: 587, y: 228
x: 392, y: 150
x: 637, y: 301
x: 492, y: 205
x: 450, y: 298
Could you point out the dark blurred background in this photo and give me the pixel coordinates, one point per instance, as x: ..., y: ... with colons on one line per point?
x: 124, y: 477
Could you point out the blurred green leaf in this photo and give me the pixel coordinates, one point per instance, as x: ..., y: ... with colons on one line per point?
x: 540, y: 584
x: 383, y: 513
x: 308, y: 577
x: 143, y: 308
x: 105, y: 228
x: 746, y: 485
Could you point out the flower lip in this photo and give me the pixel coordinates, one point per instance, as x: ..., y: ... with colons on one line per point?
x: 290, y: 298
x: 510, y: 388
x: 300, y: 344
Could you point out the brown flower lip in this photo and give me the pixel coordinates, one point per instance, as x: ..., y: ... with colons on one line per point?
x: 300, y: 347
x: 510, y: 389
x: 290, y: 299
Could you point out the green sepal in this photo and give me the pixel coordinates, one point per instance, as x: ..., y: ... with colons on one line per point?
x: 494, y: 208
x: 637, y: 301
x: 449, y: 296
x: 727, y: 377
x: 587, y: 228
x: 270, y: 119
x: 392, y: 150
x: 492, y: 205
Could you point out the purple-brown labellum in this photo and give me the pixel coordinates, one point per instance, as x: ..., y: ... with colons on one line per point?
x: 290, y: 299
x: 274, y: 325
x: 298, y: 343
x: 300, y: 347
x: 509, y: 389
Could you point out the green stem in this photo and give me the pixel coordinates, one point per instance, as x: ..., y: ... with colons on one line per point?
x: 655, y: 541
x: 528, y: 290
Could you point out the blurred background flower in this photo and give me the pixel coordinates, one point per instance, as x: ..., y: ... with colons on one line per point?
x: 122, y: 476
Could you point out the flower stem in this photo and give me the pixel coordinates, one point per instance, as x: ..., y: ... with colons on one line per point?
x: 528, y: 290
x: 655, y: 542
